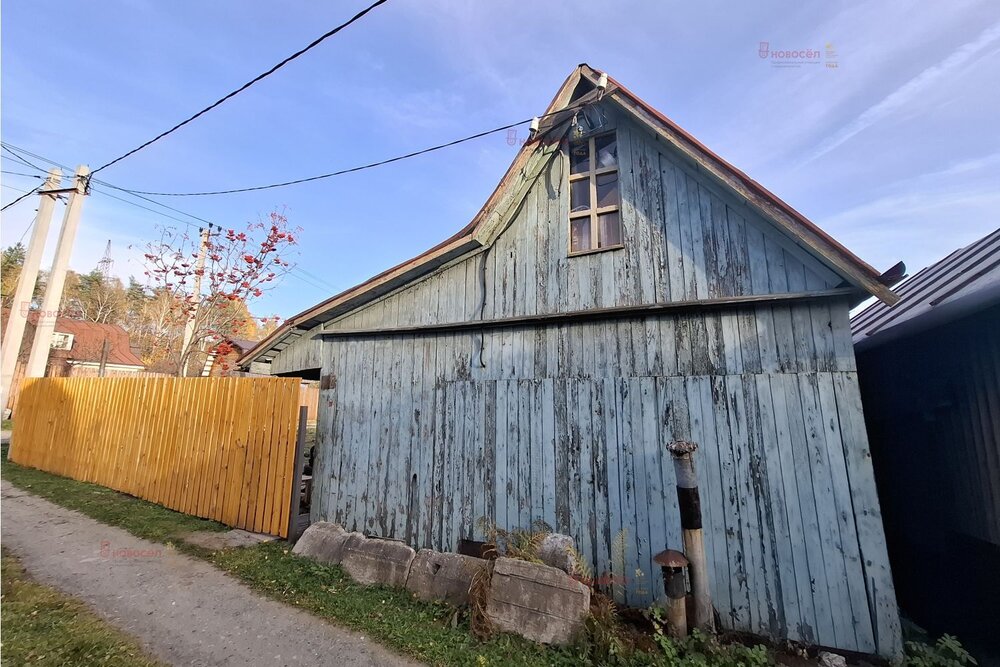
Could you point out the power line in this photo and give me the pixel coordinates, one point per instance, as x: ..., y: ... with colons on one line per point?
x: 28, y: 228
x: 306, y: 277
x: 246, y: 85
x: 21, y: 158
x: 351, y: 170
x: 24, y: 196
x: 17, y: 173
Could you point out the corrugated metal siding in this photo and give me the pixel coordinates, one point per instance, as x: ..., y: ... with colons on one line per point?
x: 967, y: 270
x: 422, y: 435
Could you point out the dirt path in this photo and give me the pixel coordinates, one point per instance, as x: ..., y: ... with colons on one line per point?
x: 182, y: 610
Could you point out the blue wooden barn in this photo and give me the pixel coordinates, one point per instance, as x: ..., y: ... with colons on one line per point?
x: 622, y: 288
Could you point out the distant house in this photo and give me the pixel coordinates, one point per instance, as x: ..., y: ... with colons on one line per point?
x: 78, y: 350
x: 622, y: 288
x: 929, y: 369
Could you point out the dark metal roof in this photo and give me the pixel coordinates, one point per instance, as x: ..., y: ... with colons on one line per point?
x: 967, y: 279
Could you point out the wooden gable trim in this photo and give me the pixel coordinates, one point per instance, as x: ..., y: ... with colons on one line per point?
x: 531, y: 161
x: 765, y: 203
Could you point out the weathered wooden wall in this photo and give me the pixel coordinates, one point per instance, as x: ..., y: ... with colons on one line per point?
x: 421, y: 435
x: 219, y: 448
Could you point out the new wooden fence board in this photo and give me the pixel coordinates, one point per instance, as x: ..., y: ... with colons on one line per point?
x: 218, y: 448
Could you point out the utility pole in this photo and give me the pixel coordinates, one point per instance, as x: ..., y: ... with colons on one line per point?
x: 14, y: 334
x: 199, y: 268
x: 46, y: 325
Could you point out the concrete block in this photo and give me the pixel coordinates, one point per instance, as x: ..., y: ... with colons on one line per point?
x: 325, y: 542
x: 377, y: 561
x: 539, y: 602
x: 556, y: 550
x: 444, y: 577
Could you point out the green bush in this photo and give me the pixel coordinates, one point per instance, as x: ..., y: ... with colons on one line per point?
x: 946, y: 652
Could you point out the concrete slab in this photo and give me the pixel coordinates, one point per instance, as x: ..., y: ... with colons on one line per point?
x: 325, y: 542
x: 539, y: 602
x: 443, y: 577
x: 556, y: 550
x: 378, y: 561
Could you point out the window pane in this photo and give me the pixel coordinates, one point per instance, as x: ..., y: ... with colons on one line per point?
x: 609, y: 226
x: 607, y: 151
x: 579, y: 195
x: 579, y: 234
x: 579, y: 157
x: 607, y: 189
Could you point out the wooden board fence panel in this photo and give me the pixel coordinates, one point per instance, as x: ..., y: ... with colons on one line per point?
x: 218, y: 448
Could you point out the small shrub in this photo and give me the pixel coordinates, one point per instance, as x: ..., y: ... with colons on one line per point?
x: 947, y: 651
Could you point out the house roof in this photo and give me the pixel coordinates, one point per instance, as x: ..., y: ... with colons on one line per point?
x: 963, y: 282
x: 579, y: 88
x: 88, y: 342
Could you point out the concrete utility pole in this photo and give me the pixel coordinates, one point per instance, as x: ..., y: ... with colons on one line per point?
x: 57, y: 278
x: 14, y: 333
x: 199, y: 267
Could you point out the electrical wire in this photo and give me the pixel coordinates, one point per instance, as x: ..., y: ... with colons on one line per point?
x: 296, y: 272
x: 351, y: 170
x: 28, y: 228
x: 24, y: 196
x: 21, y: 159
x: 17, y: 173
x: 246, y: 85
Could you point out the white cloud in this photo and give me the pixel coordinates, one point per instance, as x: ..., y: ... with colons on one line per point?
x: 909, y: 91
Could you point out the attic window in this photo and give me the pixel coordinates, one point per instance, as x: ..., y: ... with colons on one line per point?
x: 62, y: 341
x: 594, y: 200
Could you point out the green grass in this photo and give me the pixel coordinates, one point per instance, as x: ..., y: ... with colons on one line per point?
x: 434, y: 633
x: 44, y: 627
x: 8, y: 424
x: 141, y: 518
x: 391, y: 616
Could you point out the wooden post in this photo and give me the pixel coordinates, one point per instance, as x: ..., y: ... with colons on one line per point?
x: 105, y: 350
x: 296, y: 495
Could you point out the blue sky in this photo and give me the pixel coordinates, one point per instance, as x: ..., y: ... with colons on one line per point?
x: 895, y: 152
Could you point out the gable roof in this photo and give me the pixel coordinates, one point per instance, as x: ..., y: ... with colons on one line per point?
x: 578, y: 90
x: 963, y: 282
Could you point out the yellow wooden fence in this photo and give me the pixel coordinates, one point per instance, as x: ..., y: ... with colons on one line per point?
x: 219, y: 448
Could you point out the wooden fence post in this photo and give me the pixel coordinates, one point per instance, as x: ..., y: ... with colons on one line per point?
x: 296, y: 495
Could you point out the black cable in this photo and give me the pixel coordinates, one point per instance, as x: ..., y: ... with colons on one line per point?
x: 21, y: 158
x: 246, y: 85
x: 17, y: 173
x: 24, y: 196
x: 352, y: 169
x: 28, y: 228
x: 306, y: 277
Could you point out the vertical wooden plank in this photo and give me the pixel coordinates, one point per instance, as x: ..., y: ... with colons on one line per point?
x: 820, y: 590
x: 826, y: 509
x: 844, y: 509
x: 867, y: 516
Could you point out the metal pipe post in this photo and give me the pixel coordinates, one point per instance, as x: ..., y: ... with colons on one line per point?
x: 689, y: 503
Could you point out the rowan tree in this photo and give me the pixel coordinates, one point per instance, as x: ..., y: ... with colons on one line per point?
x: 240, y: 266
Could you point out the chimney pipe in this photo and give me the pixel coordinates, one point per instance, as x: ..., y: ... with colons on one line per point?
x: 673, y: 563
x: 694, y: 545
